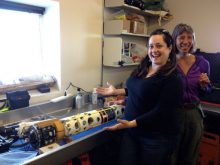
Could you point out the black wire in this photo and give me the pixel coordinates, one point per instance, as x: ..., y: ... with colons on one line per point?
x: 75, y: 87
x: 20, y: 144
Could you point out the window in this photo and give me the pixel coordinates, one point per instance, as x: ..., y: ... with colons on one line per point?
x: 21, y: 53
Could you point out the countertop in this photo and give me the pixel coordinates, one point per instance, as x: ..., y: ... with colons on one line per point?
x: 89, y: 139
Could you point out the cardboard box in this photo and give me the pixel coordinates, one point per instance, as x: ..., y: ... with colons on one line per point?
x: 116, y: 26
x: 137, y: 27
x: 126, y: 26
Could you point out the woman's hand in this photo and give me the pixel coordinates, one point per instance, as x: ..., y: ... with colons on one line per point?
x: 203, y: 80
x: 107, y: 91
x: 122, y: 124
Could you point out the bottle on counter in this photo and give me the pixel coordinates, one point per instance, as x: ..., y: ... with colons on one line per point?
x: 94, y: 96
x: 78, y: 99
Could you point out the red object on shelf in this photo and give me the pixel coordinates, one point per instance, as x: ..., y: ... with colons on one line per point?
x: 68, y: 163
x: 84, y: 159
x: 209, y: 150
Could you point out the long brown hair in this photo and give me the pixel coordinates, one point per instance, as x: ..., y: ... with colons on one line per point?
x: 165, y: 70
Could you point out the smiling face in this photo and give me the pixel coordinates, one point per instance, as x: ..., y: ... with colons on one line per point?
x: 158, y: 51
x: 184, y: 42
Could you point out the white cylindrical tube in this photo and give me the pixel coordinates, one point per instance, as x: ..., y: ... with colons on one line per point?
x: 94, y: 96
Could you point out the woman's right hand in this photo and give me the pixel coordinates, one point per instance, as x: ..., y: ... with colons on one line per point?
x: 122, y: 124
x: 204, y: 80
x: 107, y: 91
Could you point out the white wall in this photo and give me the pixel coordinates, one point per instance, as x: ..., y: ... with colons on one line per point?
x: 116, y: 75
x: 81, y: 29
x: 81, y: 40
x: 79, y: 55
x: 203, y: 16
x: 80, y: 47
x: 81, y: 32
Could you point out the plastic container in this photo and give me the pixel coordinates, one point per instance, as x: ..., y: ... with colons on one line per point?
x: 94, y: 96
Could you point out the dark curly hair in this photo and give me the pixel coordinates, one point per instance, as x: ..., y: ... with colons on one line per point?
x: 165, y: 70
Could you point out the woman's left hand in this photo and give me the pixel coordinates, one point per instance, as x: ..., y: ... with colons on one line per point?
x: 122, y: 124
x: 204, y: 80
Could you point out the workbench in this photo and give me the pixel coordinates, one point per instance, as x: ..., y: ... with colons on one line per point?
x: 90, y: 139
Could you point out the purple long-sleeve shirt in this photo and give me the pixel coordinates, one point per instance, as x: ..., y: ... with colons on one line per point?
x: 192, y: 92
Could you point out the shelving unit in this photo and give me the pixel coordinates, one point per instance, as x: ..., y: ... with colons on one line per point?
x: 112, y: 52
x: 115, y: 34
x: 136, y: 35
x: 120, y: 4
x: 115, y: 27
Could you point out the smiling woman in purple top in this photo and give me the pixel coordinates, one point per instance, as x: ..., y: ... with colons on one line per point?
x: 195, y: 72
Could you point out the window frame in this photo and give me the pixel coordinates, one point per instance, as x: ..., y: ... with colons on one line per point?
x: 48, y: 80
x: 21, y: 7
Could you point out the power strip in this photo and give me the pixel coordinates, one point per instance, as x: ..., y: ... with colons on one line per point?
x: 60, y: 98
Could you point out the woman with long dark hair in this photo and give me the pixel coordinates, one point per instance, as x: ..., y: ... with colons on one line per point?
x: 154, y: 91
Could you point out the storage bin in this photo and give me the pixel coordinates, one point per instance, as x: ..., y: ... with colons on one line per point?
x: 209, y: 150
